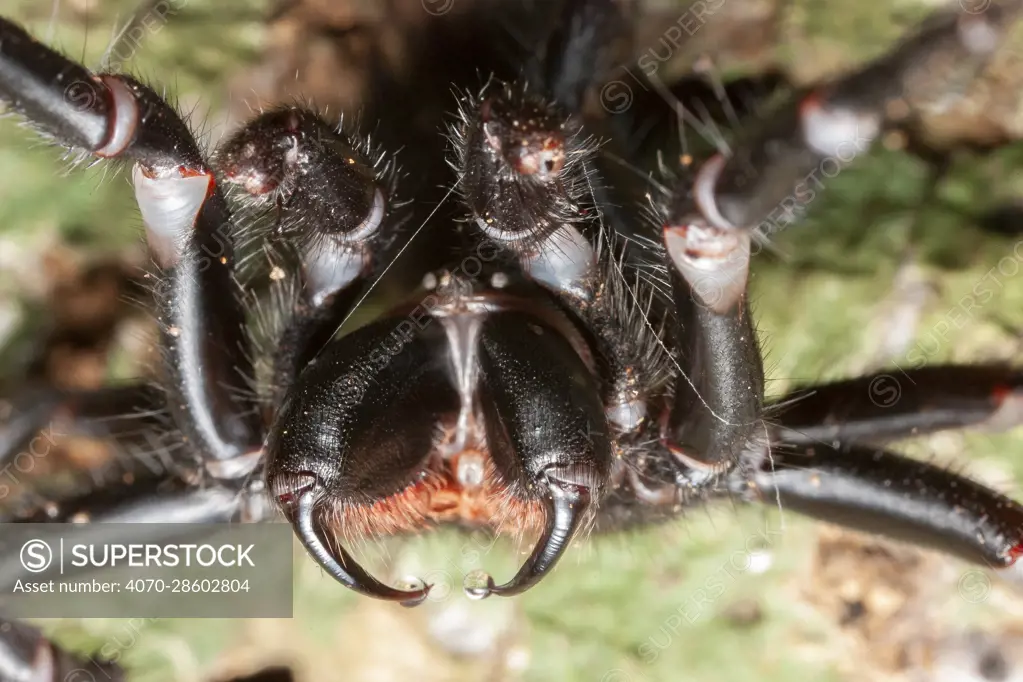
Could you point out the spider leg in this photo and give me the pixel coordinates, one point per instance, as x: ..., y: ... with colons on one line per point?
x: 889, y: 406
x: 187, y: 227
x: 48, y: 412
x: 717, y: 406
x: 157, y: 499
x: 26, y: 654
x: 881, y: 492
x: 774, y: 171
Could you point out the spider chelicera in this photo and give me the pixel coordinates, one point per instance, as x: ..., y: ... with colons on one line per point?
x: 577, y: 348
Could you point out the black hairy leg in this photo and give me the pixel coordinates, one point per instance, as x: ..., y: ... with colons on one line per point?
x: 894, y: 404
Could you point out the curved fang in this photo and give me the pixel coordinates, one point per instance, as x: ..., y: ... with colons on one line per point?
x: 566, y: 509
x: 339, y: 564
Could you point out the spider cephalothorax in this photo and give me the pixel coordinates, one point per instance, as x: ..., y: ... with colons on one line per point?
x: 577, y: 349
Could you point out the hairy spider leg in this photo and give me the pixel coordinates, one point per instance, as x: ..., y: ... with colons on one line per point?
x: 718, y: 397
x: 773, y: 169
x: 876, y: 491
x: 187, y: 225
x: 893, y: 404
x: 190, y: 236
x: 530, y: 179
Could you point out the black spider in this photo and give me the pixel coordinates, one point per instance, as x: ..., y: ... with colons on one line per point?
x: 576, y: 348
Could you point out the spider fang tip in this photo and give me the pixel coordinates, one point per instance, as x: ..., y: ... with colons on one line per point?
x: 333, y: 557
x: 567, y: 507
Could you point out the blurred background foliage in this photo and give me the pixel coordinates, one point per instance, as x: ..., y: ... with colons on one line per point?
x: 872, y: 277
